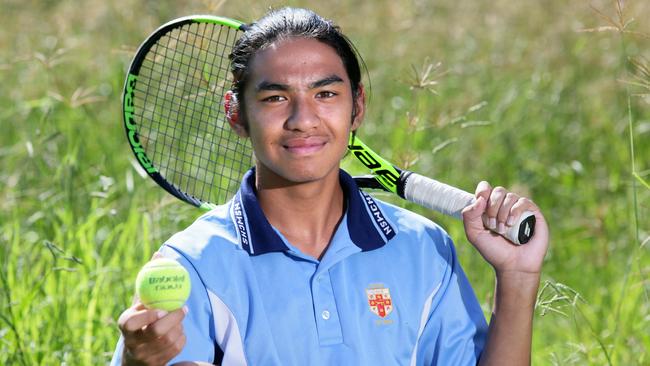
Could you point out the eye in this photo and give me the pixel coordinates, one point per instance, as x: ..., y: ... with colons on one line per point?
x: 326, y: 94
x: 274, y: 98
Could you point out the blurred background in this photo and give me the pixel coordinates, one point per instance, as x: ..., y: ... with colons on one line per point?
x: 550, y: 98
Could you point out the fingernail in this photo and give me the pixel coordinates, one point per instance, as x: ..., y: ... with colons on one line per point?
x: 493, y: 223
x: 511, y: 220
x: 161, y: 313
x: 502, y: 228
x: 185, y: 309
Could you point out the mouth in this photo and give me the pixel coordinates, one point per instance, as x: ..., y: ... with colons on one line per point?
x: 304, y: 145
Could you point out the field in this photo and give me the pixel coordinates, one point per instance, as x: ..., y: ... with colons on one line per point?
x: 550, y: 98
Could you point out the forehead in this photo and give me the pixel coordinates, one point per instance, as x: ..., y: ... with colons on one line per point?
x: 296, y: 61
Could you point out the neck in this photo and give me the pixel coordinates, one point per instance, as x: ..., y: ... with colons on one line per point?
x: 307, y: 214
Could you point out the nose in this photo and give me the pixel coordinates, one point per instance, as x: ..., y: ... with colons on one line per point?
x: 304, y: 115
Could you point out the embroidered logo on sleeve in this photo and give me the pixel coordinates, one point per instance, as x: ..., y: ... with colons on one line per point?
x: 379, y: 300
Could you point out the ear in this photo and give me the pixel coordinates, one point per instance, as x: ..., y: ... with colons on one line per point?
x: 359, y: 108
x: 231, y: 107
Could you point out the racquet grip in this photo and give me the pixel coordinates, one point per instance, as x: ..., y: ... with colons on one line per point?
x: 451, y: 201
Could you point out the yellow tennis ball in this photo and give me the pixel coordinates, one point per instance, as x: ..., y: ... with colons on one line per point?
x: 163, y: 284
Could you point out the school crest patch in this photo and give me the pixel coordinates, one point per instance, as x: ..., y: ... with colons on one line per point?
x: 379, y: 300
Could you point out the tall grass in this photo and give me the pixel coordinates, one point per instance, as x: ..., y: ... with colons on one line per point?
x: 550, y: 98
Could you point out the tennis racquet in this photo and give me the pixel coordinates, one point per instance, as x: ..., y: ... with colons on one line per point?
x: 175, y: 124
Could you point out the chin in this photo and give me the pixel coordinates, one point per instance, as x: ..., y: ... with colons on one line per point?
x: 304, y: 175
x: 295, y: 173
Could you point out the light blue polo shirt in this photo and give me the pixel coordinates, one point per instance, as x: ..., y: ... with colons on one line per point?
x: 388, y: 291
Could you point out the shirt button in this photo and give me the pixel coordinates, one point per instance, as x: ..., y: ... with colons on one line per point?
x: 325, y: 314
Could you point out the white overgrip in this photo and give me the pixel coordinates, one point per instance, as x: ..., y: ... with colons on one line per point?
x: 436, y: 195
x: 451, y: 201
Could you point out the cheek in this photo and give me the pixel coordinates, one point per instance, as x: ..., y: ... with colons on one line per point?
x: 265, y: 124
x: 257, y: 137
x: 262, y: 133
x: 344, y: 113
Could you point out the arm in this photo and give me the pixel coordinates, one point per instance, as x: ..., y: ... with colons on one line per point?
x: 517, y: 268
x: 511, y: 326
x: 152, y: 337
x: 455, y: 330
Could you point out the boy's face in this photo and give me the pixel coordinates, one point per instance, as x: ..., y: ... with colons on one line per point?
x: 299, y: 110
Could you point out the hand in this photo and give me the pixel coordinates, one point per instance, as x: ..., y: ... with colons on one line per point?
x: 151, y: 337
x: 495, y: 209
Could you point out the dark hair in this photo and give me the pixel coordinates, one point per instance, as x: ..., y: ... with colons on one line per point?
x: 286, y: 23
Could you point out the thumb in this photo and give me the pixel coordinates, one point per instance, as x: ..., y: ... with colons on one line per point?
x: 473, y: 219
x: 473, y: 214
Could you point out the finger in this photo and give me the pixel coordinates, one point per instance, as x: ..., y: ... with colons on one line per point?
x: 495, y: 201
x: 504, y: 211
x: 472, y: 214
x: 165, y: 324
x: 135, y: 318
x: 174, y: 340
x: 520, y: 206
x: 175, y: 347
x: 483, y: 189
x: 160, y: 350
x: 162, y: 341
x: 156, y: 255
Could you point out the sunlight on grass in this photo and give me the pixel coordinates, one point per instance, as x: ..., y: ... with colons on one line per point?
x: 550, y: 98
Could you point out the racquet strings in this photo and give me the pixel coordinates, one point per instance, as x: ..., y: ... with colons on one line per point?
x: 178, y: 101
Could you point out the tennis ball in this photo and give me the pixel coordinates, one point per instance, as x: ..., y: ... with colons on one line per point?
x: 163, y: 284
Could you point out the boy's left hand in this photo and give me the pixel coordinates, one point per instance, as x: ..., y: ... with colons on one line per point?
x: 496, y: 209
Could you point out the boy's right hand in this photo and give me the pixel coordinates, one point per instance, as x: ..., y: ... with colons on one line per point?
x: 151, y: 337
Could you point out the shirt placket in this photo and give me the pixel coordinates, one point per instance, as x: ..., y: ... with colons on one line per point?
x: 325, y: 311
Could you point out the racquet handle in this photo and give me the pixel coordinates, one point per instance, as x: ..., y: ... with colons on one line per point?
x: 451, y: 201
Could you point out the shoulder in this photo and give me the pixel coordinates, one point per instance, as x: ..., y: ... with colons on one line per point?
x: 211, y: 236
x: 410, y: 223
x: 418, y: 233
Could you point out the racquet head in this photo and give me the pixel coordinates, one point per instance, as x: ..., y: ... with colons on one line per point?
x: 173, y: 110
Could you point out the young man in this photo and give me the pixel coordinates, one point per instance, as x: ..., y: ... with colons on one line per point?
x: 301, y: 267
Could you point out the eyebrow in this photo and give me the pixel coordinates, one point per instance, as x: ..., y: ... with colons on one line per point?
x: 268, y: 85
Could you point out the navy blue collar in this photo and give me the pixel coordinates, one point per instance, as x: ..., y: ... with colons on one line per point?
x: 366, y: 223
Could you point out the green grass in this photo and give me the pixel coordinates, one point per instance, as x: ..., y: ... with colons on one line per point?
x: 521, y: 98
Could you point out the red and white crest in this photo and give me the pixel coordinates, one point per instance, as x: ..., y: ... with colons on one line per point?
x: 379, y: 300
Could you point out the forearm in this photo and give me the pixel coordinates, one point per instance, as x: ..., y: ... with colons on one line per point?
x: 511, y: 326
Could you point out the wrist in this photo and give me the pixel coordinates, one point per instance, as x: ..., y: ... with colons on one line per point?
x: 518, y: 277
x: 516, y: 289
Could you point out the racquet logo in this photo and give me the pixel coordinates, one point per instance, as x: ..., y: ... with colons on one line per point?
x: 384, y: 171
x: 131, y: 127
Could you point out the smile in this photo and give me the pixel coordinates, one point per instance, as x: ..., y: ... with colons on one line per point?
x: 305, y: 146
